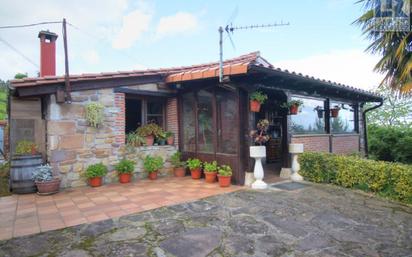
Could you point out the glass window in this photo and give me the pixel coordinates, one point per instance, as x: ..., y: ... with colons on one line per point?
x: 227, y: 118
x: 155, y: 112
x: 311, y: 117
x: 133, y: 114
x: 205, y: 121
x: 140, y: 111
x: 188, y: 121
x: 345, y: 120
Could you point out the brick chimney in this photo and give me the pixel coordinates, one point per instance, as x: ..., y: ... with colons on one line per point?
x: 47, y: 53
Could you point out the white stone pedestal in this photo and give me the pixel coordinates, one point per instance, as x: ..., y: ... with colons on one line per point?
x: 258, y: 152
x: 295, y: 150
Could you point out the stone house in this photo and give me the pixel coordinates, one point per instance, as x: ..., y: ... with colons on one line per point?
x: 210, y: 120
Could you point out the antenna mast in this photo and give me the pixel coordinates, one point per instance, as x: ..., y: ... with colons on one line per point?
x: 229, y: 29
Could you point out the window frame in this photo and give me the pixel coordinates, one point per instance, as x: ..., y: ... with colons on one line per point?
x: 326, y: 117
x: 333, y: 101
x: 144, y: 108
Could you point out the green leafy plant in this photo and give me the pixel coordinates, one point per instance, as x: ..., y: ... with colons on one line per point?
x: 387, y: 179
x: 96, y: 170
x: 42, y: 173
x: 194, y: 163
x: 168, y: 134
x: 152, y: 164
x: 25, y: 147
x: 292, y: 103
x: 133, y: 139
x: 176, y: 160
x: 150, y: 129
x: 94, y: 114
x: 258, y: 96
x: 224, y: 170
x: 210, y: 166
x: 125, y: 166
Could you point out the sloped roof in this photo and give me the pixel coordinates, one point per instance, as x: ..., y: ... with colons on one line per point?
x: 236, y: 66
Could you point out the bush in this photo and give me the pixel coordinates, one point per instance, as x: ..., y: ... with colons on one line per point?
x: 96, y: 170
x: 194, y: 163
x: 124, y: 166
x: 152, y: 164
x: 43, y: 173
x: 388, y: 179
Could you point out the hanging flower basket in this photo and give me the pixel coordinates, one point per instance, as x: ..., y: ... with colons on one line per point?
x: 293, y: 106
x: 254, y: 106
x: 257, y: 98
x: 334, y: 112
x: 293, y: 109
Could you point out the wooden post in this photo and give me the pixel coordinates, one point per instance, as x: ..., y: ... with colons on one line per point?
x: 66, y: 64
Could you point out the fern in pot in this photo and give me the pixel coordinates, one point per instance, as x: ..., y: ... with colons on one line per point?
x: 44, y: 180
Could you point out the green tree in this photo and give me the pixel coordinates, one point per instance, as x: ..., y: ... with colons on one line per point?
x: 396, y: 61
x: 20, y: 75
x: 395, y: 111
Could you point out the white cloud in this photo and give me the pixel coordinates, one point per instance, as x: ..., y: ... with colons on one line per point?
x: 134, y: 25
x: 179, y: 23
x: 91, y: 57
x: 352, y: 67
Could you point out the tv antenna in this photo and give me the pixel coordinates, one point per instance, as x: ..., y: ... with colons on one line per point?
x: 229, y: 29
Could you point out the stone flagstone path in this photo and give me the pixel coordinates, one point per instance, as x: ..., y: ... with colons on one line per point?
x: 319, y: 220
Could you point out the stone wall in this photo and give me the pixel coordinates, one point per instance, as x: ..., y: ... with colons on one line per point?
x: 72, y: 145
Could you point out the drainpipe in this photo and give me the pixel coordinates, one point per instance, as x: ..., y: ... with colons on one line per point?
x: 365, y: 131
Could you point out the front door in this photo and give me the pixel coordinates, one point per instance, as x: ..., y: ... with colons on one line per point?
x: 210, y: 126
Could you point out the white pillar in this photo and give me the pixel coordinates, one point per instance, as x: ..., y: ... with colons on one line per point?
x: 258, y: 152
x: 295, y: 150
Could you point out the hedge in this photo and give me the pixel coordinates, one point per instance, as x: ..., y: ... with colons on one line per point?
x: 392, y: 180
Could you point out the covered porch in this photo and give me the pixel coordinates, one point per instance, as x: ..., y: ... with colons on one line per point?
x: 30, y: 214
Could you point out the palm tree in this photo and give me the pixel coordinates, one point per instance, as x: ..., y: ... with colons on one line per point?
x: 396, y: 61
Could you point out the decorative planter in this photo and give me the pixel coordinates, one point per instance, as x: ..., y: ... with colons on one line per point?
x: 254, y: 106
x: 179, y: 172
x: 210, y: 177
x: 334, y: 112
x: 320, y: 113
x: 162, y: 141
x: 258, y: 152
x: 224, y: 181
x: 125, y: 178
x: 48, y: 187
x: 295, y: 150
x: 153, y: 175
x: 293, y: 109
x: 170, y: 140
x: 196, y: 173
x: 95, y: 182
x: 149, y: 140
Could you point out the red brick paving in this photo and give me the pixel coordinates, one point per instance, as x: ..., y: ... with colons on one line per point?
x: 30, y: 214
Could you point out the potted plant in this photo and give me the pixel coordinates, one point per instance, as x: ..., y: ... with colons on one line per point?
x: 195, y: 166
x: 25, y: 147
x: 334, y: 112
x: 124, y: 170
x: 258, y: 151
x: 44, y: 180
x: 170, y: 138
x: 161, y: 138
x: 319, y: 111
x: 149, y: 132
x: 210, y: 169
x: 152, y: 166
x: 224, y: 175
x: 133, y: 139
x: 293, y: 106
x: 257, y: 98
x: 178, y: 165
x: 95, y: 173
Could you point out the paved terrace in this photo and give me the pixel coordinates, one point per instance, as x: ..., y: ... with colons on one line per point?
x: 29, y: 214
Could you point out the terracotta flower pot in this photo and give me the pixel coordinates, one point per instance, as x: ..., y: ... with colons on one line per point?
x: 95, y: 182
x: 153, y: 175
x: 254, y: 106
x: 334, y: 112
x: 48, y: 187
x: 210, y: 177
x: 179, y: 172
x: 196, y: 173
x: 224, y: 181
x: 170, y: 140
x: 149, y: 140
x: 293, y: 109
x: 125, y: 178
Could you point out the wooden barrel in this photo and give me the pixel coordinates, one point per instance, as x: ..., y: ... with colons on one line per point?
x: 21, y: 169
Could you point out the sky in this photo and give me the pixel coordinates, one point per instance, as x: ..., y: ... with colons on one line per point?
x: 120, y: 35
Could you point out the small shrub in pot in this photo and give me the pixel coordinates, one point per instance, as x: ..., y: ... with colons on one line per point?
x: 151, y: 165
x: 195, y: 166
x: 179, y: 168
x: 44, y: 180
x: 94, y: 173
x: 149, y: 131
x: 257, y: 98
x: 170, y: 138
x: 210, y: 169
x: 124, y: 170
x: 224, y: 175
